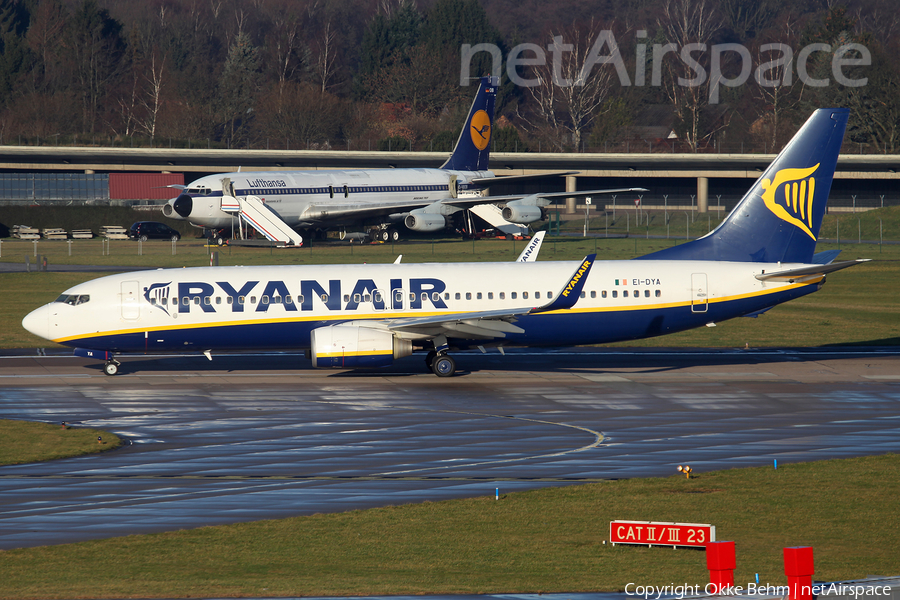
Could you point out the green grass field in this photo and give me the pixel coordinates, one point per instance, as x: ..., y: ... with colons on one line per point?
x: 548, y: 540
x: 23, y: 442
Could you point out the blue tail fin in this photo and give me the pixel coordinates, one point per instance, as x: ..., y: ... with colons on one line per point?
x: 474, y: 144
x: 778, y: 220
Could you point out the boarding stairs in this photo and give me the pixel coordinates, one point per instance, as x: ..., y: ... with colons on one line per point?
x: 253, y: 211
x: 494, y: 216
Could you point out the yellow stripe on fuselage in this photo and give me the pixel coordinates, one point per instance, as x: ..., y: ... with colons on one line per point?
x: 401, y: 315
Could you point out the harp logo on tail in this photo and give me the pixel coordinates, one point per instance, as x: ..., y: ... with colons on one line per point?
x: 795, y: 204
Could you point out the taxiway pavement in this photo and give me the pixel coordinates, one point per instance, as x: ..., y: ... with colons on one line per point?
x: 253, y: 437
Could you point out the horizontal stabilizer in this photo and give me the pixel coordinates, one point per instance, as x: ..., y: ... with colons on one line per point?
x: 805, y: 273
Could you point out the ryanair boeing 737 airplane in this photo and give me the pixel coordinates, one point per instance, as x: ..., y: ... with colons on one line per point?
x: 370, y: 315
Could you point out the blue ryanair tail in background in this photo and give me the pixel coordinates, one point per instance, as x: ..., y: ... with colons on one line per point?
x: 778, y: 220
x: 369, y: 315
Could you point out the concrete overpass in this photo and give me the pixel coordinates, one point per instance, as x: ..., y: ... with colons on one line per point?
x: 879, y: 172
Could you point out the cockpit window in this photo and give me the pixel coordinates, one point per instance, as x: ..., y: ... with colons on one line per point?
x: 198, y: 191
x: 74, y: 299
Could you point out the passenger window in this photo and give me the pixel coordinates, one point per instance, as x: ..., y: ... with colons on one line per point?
x: 468, y: 295
x: 593, y: 294
x: 276, y: 299
x: 646, y: 293
x: 229, y: 300
x: 356, y: 298
x: 458, y: 296
x: 512, y: 295
x: 525, y: 295
x: 367, y: 298
x: 347, y: 298
x: 218, y: 299
x: 625, y: 294
x: 324, y: 298
x: 424, y: 296
x: 435, y: 297
x: 185, y: 301
x: 658, y: 293
x: 398, y: 297
x: 549, y: 294
x: 377, y: 296
x: 447, y: 296
x: 490, y: 295
x: 537, y: 295
x: 615, y: 294
x: 478, y: 296
x: 252, y: 299
x: 603, y: 294
x: 583, y: 295
x: 503, y: 295
x: 206, y: 300
x: 240, y: 299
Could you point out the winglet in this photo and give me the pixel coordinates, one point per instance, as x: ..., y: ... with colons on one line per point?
x: 569, y: 294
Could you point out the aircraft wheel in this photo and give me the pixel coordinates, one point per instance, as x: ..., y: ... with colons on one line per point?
x: 220, y: 241
x: 444, y: 366
x: 394, y: 235
x: 384, y: 235
x: 111, y: 368
x: 429, y: 359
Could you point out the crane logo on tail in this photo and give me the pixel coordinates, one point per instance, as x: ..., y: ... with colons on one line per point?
x: 795, y: 204
x: 480, y: 129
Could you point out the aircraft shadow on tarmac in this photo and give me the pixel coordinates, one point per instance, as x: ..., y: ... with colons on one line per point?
x: 565, y: 360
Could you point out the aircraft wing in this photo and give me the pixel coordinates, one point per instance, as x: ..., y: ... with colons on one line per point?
x: 324, y: 212
x: 493, y: 323
x: 503, y: 179
x: 469, y: 201
x: 801, y: 274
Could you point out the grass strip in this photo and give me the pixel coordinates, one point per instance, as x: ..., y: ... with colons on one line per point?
x: 548, y: 540
x: 26, y: 442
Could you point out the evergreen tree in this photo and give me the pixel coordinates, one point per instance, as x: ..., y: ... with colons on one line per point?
x: 239, y: 82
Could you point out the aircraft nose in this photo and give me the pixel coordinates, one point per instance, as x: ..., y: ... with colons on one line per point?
x: 183, y: 205
x: 37, y: 322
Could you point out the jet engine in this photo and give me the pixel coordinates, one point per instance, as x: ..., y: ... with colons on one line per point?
x: 419, y: 220
x: 522, y: 214
x: 346, y: 346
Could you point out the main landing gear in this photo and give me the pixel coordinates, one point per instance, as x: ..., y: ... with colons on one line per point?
x: 111, y: 367
x: 440, y: 363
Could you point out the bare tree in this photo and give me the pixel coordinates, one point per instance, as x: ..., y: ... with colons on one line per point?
x: 572, y: 86
x: 151, y: 101
x: 326, y: 61
x: 688, y: 25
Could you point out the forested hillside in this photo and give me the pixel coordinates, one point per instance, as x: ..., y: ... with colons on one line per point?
x: 623, y: 75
